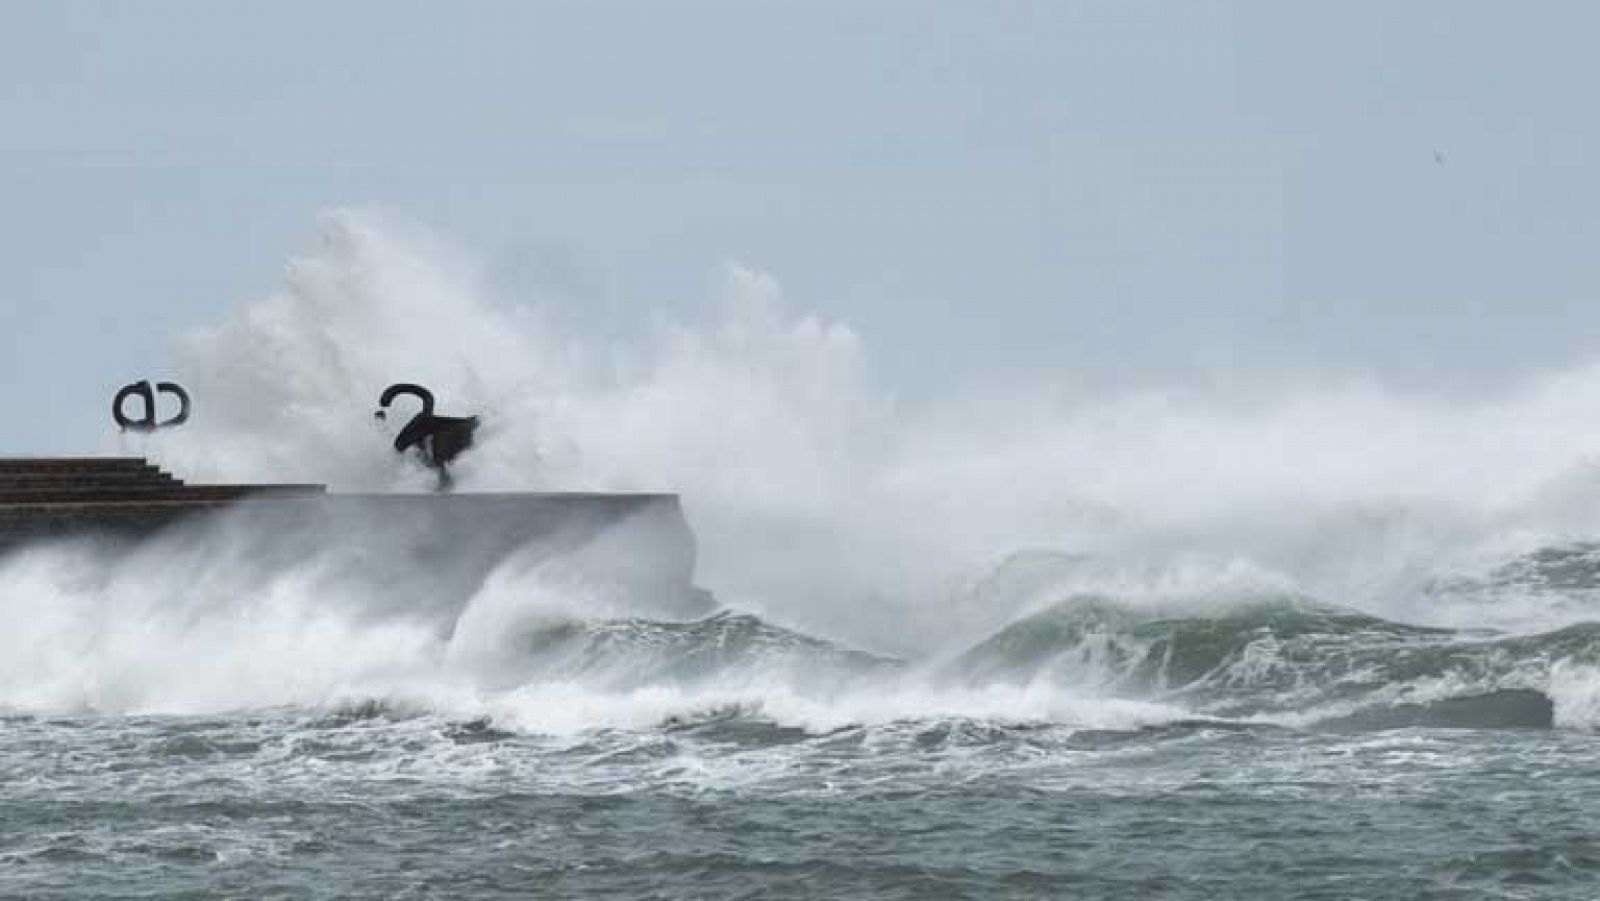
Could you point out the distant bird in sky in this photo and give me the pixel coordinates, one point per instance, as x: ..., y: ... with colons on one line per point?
x: 1438, y: 157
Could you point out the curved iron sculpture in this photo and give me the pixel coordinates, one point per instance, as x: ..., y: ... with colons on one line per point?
x: 439, y: 439
x: 142, y: 391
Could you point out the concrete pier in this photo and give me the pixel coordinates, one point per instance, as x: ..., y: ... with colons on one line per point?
x: 415, y: 551
x: 46, y: 497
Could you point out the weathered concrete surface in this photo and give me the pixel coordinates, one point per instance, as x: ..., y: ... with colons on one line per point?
x: 55, y: 497
x: 422, y: 553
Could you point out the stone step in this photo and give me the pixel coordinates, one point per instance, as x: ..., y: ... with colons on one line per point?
x: 118, y: 477
x: 11, y: 513
x: 18, y: 465
x: 141, y: 493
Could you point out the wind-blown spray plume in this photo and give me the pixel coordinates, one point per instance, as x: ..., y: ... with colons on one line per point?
x: 826, y: 510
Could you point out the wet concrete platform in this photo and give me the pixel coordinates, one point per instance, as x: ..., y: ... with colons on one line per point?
x: 127, y: 497
x: 409, y: 547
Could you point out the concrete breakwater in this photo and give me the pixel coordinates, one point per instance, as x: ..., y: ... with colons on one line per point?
x: 106, y: 497
x: 423, y: 553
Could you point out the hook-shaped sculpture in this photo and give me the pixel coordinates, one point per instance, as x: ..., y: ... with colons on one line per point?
x: 439, y: 439
x: 148, y: 423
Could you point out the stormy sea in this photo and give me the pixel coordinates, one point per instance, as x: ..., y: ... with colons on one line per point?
x: 1326, y: 641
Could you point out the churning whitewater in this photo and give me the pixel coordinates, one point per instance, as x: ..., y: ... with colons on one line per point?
x: 1002, y: 647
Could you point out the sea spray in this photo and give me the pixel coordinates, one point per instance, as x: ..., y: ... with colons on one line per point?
x: 826, y: 513
x: 201, y: 622
x: 820, y: 501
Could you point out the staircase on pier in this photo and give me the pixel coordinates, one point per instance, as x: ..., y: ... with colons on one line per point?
x: 48, y: 496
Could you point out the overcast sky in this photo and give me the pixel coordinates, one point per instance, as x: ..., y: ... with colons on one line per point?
x: 1091, y: 194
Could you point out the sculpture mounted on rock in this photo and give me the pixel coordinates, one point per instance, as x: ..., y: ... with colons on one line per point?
x: 148, y: 423
x: 439, y: 439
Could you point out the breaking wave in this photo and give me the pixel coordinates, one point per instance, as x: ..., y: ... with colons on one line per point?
x: 1292, y: 661
x: 94, y: 632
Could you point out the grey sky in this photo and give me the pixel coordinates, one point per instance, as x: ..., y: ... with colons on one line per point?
x: 1092, y: 194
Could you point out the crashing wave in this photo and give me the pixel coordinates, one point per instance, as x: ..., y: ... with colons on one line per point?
x: 1286, y: 659
x: 628, y: 653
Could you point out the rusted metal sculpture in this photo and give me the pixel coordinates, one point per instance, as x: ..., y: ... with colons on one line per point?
x: 438, y: 439
x: 143, y: 391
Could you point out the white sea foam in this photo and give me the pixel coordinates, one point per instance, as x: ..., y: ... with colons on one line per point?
x: 1575, y: 692
x: 92, y: 634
